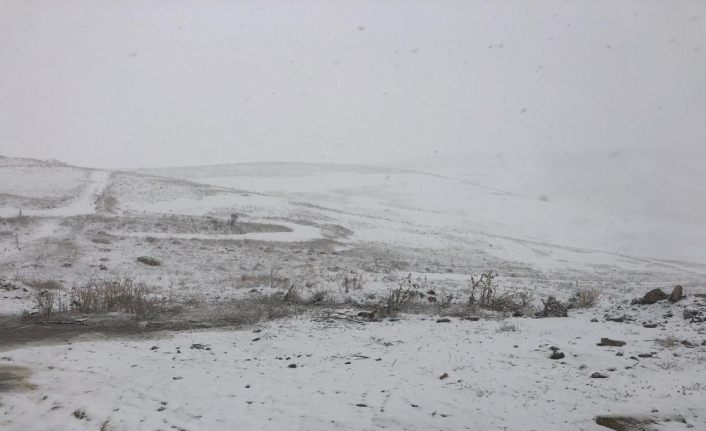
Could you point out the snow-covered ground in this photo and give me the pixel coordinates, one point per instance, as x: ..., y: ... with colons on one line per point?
x: 316, y: 227
x: 323, y: 373
x: 524, y: 208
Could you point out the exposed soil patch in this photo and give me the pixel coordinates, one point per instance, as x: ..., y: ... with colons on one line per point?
x: 14, y: 378
x: 16, y: 333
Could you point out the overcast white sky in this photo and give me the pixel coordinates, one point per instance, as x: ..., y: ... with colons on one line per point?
x: 152, y: 83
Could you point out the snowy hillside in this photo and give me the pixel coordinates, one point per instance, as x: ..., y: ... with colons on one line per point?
x: 517, y: 203
x: 345, y: 297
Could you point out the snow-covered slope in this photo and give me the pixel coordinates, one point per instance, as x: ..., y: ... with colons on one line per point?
x: 223, y: 236
x: 509, y: 205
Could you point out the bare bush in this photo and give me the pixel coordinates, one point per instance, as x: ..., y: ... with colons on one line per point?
x: 47, y: 295
x: 353, y: 282
x: 587, y: 297
x: 514, y: 302
x: 252, y: 309
x: 445, y: 301
x: 293, y: 295
x: 486, y: 289
x: 552, y: 308
x: 38, y: 284
x: 399, y: 299
x: 267, y: 307
x: 275, y: 276
x: 45, y: 301
x: 489, y: 299
x: 319, y: 296
x: 117, y: 294
x: 459, y: 310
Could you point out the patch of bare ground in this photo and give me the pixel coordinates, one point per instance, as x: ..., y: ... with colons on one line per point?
x: 63, y: 327
x: 58, y: 330
x: 13, y: 379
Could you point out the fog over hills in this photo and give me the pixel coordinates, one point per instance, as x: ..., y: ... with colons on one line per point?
x: 140, y: 84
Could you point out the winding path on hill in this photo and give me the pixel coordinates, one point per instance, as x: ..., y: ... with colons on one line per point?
x: 297, y: 233
x: 83, y: 203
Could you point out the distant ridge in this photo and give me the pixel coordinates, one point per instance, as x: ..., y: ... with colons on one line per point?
x: 262, y: 168
x: 21, y: 162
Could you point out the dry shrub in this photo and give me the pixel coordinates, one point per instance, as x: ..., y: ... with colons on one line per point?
x: 459, y: 310
x: 515, y: 302
x: 252, y: 309
x: 399, y: 299
x: 444, y: 298
x: 38, y: 284
x: 271, y: 306
x: 117, y: 294
x: 587, y: 297
x: 319, y: 296
x: 489, y: 299
x: 275, y: 276
x: 353, y: 282
x: 486, y: 290
x: 552, y: 308
x: 45, y: 301
x: 293, y: 295
x: 47, y: 295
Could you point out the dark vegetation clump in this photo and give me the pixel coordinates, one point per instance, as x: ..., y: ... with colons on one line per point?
x: 552, y: 308
x: 116, y: 294
x: 515, y: 303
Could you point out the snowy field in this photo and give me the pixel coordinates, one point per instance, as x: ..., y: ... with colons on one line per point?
x: 224, y: 240
x: 319, y: 373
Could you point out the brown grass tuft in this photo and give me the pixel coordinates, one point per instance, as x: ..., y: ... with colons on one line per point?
x: 587, y: 297
x: 117, y: 294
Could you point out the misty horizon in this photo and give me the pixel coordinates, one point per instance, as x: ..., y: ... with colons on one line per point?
x: 137, y: 84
